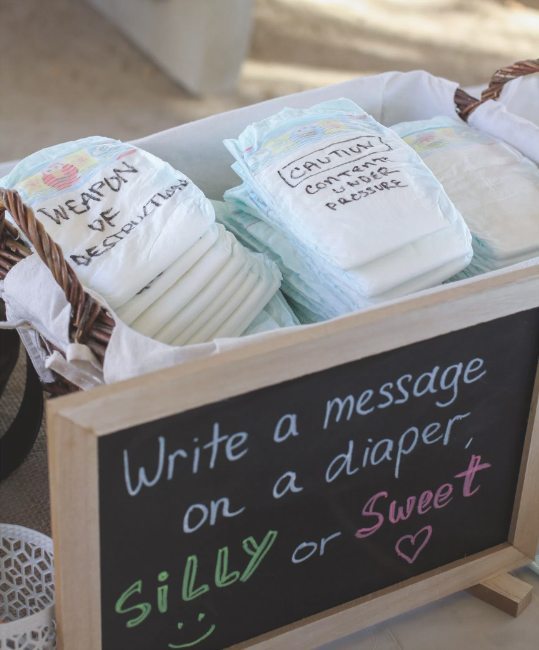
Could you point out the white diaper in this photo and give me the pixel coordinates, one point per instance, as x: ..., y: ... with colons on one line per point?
x: 133, y: 308
x: 214, y: 313
x: 252, y: 304
x: 494, y: 186
x: 120, y: 215
x: 204, y: 299
x: 187, y: 287
x: 328, y: 291
x: 340, y: 182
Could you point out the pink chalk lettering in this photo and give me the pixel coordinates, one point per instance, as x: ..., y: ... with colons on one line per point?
x: 368, y: 511
x: 413, y: 544
x: 468, y: 475
x: 400, y: 513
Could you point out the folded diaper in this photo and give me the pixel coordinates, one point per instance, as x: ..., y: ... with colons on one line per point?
x: 348, y: 211
x: 252, y: 303
x: 340, y: 182
x: 235, y: 316
x: 319, y: 290
x: 187, y: 287
x: 233, y: 272
x: 303, y: 283
x: 219, y: 305
x: 495, y: 188
x: 276, y: 314
x: 133, y: 308
x: 120, y: 215
x: 220, y: 295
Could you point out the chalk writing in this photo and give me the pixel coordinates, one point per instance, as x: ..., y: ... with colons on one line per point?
x: 306, y: 550
x: 192, y: 586
x: 199, y: 514
x: 392, y: 449
x: 408, y: 547
x: 444, y: 382
x: 372, y: 472
x: 437, y: 499
x: 191, y: 644
x: 229, y: 447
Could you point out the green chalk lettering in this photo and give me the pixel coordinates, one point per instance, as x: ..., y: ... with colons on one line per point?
x: 222, y: 578
x: 189, y: 578
x: 143, y: 608
x: 258, y: 552
x: 162, y: 593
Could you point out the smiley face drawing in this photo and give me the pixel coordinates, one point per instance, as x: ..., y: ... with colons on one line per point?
x: 191, y: 644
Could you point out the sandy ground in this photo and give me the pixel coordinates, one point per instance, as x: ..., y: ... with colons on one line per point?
x: 66, y: 73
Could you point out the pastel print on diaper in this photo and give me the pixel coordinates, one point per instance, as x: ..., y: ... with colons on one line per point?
x: 430, y: 140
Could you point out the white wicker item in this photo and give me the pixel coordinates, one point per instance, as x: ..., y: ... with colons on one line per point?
x: 26, y: 590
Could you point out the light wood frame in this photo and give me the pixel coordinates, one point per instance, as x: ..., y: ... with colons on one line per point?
x: 75, y: 424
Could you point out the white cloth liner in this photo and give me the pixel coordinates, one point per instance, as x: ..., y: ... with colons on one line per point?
x: 390, y: 98
x: 494, y: 118
x: 518, y: 97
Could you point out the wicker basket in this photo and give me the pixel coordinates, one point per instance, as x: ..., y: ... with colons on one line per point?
x: 90, y: 322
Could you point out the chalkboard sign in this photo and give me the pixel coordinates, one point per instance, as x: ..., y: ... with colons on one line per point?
x: 227, y: 521
x: 242, y: 516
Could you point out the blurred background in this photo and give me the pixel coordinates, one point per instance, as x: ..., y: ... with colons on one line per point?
x: 127, y: 68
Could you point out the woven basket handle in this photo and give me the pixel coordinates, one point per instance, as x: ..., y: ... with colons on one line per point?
x: 90, y: 323
x: 466, y: 104
x: 510, y: 72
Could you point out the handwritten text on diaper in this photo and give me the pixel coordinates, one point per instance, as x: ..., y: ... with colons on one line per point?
x: 345, y: 172
x: 111, y: 221
x: 331, y: 157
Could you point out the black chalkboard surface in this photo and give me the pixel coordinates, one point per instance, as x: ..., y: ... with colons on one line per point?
x: 224, y: 522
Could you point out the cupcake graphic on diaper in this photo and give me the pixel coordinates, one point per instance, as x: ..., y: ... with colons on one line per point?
x: 60, y: 175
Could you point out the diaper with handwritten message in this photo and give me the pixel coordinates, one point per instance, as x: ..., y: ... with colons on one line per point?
x: 120, y: 215
x: 141, y: 235
x: 351, y: 213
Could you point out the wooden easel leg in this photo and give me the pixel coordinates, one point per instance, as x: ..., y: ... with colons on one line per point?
x: 505, y: 592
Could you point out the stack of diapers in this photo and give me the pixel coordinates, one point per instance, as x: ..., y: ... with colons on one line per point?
x: 143, y: 237
x: 495, y: 188
x: 304, y: 284
x: 348, y: 211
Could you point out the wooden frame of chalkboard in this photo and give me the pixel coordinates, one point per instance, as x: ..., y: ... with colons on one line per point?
x: 83, y: 493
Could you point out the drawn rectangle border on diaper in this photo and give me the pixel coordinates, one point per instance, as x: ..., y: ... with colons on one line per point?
x: 383, y: 147
x: 77, y: 423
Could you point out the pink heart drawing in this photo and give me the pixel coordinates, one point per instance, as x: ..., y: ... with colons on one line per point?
x: 415, y: 542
